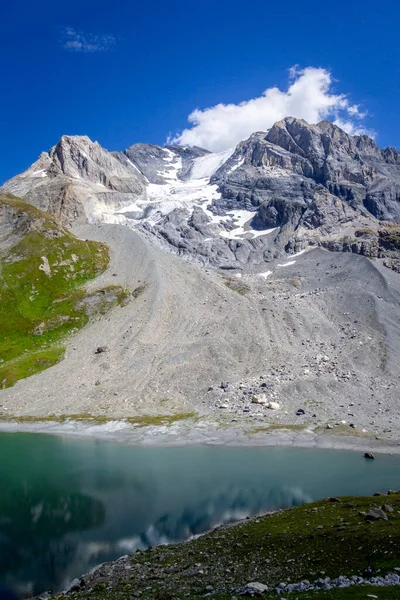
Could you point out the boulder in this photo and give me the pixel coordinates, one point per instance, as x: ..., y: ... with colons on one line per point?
x: 259, y: 399
x: 254, y: 588
x: 273, y: 405
x: 101, y: 349
x: 374, y: 514
x: 74, y: 586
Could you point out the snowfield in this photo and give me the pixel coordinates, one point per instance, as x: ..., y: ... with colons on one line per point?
x: 194, y: 190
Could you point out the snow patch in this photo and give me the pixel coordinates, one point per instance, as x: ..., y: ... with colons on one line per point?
x: 291, y: 262
x: 136, y: 168
x: 301, y: 252
x: 257, y: 234
x: 38, y: 174
x: 238, y: 164
x: 242, y: 217
x: 170, y: 174
x: 206, y: 166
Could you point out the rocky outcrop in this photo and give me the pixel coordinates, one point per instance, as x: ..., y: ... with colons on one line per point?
x: 351, y: 168
x: 78, y: 180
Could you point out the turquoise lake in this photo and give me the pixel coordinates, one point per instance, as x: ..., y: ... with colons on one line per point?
x: 67, y: 504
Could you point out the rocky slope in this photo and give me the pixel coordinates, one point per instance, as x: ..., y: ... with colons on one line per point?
x: 277, y: 192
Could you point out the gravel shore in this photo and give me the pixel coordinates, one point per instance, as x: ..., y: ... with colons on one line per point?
x: 190, y: 433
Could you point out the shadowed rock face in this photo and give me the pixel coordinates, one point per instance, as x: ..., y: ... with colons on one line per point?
x: 351, y: 168
x: 150, y: 160
x: 311, y: 184
x: 315, y: 184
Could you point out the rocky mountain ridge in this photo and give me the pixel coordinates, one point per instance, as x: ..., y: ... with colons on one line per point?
x: 276, y: 193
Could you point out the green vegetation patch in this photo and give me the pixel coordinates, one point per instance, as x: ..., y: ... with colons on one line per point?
x: 237, y: 286
x: 269, y: 428
x: 321, y: 539
x: 389, y: 237
x: 157, y: 420
x: 41, y: 289
x: 140, y: 421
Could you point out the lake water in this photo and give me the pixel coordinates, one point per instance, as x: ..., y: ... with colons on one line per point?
x: 67, y: 504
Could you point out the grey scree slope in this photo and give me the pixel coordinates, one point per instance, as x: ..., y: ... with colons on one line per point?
x: 319, y: 339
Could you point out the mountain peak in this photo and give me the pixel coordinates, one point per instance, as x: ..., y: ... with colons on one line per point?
x: 281, y: 190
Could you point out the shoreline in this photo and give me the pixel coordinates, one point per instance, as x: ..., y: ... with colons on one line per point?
x: 200, y: 433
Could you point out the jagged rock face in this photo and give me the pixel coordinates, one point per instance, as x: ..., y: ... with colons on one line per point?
x: 151, y: 160
x: 78, y: 180
x: 278, y: 191
x: 352, y: 168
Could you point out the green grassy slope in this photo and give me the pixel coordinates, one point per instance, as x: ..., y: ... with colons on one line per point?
x: 322, y: 539
x: 42, y: 272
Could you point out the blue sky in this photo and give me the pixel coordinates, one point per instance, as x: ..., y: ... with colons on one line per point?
x: 122, y: 72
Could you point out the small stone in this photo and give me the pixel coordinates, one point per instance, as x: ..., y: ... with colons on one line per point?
x: 369, y: 455
x: 300, y: 412
x: 329, y: 426
x: 388, y: 508
x: 101, y: 349
x: 224, y: 385
x: 334, y: 500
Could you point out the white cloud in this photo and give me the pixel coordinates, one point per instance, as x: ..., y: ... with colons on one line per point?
x: 309, y: 96
x: 77, y: 41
